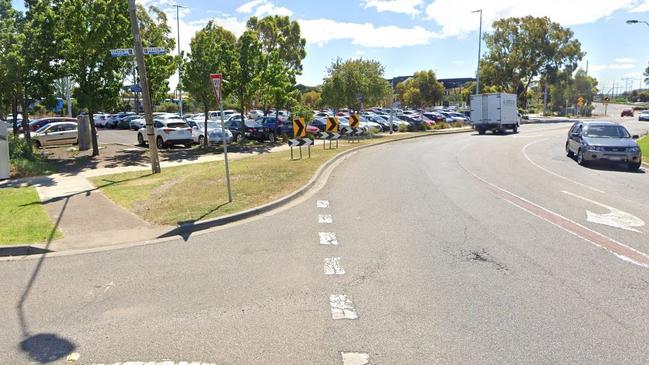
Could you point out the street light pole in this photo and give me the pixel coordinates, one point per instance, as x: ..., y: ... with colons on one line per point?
x: 477, y: 84
x: 179, y: 87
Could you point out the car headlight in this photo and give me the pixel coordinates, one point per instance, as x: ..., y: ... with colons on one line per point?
x: 633, y: 149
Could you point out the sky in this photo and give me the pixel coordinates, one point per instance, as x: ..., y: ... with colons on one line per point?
x: 411, y: 35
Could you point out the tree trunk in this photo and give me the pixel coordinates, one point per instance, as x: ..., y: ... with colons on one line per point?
x: 93, y: 133
x: 25, y: 122
x: 14, y: 115
x: 207, y: 111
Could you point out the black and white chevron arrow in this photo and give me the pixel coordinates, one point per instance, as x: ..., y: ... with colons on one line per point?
x: 354, y: 131
x: 329, y: 135
x: 298, y: 142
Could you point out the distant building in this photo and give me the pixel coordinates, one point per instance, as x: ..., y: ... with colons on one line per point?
x: 448, y: 83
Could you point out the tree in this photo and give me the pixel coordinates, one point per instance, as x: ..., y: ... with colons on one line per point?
x: 155, y: 32
x: 646, y: 75
x: 247, y: 69
x: 11, y: 59
x: 212, y: 51
x: 422, y: 90
x: 523, y: 49
x: 312, y: 99
x: 90, y: 30
x: 354, y: 82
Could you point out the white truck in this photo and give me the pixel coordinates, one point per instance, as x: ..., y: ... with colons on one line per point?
x: 494, y: 112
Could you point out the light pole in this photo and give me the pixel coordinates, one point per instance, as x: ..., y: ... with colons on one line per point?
x: 180, y: 91
x: 635, y: 21
x: 477, y: 84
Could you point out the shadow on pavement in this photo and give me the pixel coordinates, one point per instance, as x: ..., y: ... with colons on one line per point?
x: 42, y: 347
x: 601, y: 166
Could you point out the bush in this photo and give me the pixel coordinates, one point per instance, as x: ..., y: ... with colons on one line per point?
x: 24, y: 162
x: 457, y: 125
x: 20, y: 148
x: 403, y: 127
x: 441, y: 125
x: 167, y: 107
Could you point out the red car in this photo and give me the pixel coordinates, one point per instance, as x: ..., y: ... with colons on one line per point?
x: 627, y: 113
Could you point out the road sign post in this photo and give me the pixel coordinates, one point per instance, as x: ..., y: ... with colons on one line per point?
x: 217, y: 85
x: 354, y: 125
x: 299, y: 137
x: 330, y: 133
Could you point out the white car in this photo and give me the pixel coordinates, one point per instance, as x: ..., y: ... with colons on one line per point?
x: 254, y: 114
x: 100, y: 119
x: 56, y: 134
x: 213, y: 131
x: 168, y: 132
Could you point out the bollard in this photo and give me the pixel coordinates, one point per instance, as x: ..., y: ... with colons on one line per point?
x: 83, y: 126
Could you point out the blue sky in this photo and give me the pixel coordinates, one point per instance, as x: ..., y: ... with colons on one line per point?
x: 442, y: 35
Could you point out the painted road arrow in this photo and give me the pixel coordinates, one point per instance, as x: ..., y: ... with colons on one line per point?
x: 299, y: 142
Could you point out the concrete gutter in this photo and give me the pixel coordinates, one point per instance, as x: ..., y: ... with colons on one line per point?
x: 35, y: 251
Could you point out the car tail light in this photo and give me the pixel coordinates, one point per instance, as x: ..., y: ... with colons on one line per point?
x: 167, y: 130
x: 250, y: 130
x: 189, y: 130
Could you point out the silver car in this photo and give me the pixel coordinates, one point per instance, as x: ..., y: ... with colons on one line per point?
x: 56, y: 134
x: 603, y: 141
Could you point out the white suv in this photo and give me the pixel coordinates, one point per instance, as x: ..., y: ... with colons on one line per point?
x: 168, y: 132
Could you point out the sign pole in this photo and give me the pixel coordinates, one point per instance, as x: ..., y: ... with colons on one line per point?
x: 291, y: 153
x: 225, y: 148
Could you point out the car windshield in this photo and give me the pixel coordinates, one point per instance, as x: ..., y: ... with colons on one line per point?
x: 42, y: 129
x: 607, y: 131
x: 252, y: 124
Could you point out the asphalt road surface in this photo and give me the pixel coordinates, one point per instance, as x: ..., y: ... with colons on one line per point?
x: 452, y: 249
x: 120, y: 136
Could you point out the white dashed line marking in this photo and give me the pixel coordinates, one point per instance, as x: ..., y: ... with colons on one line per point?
x: 355, y: 358
x: 341, y: 307
x: 332, y: 266
x: 158, y: 363
x: 325, y: 218
x: 328, y: 238
x: 322, y: 203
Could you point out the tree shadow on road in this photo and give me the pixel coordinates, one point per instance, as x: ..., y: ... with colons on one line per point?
x: 42, y: 348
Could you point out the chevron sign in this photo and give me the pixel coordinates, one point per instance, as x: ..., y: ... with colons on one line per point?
x: 329, y: 135
x: 299, y: 142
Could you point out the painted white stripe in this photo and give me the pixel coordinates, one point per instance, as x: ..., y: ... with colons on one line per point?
x: 332, y: 266
x: 355, y: 358
x: 328, y: 238
x: 158, y: 363
x: 341, y: 307
x: 322, y: 204
x: 325, y: 218
x: 614, y: 218
x: 552, y: 172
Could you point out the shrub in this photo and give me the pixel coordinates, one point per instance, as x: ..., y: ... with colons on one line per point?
x: 441, y: 125
x: 403, y: 128
x: 457, y: 125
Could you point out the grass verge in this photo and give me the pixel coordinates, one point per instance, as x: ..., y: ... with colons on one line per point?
x: 644, y: 146
x: 24, y: 219
x: 197, y: 192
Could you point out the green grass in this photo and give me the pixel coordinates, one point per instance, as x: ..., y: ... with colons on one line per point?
x: 644, y: 146
x: 24, y: 219
x: 199, y: 191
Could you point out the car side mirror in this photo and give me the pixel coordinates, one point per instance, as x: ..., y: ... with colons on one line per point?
x: 635, y: 136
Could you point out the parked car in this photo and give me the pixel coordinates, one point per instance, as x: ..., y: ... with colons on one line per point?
x: 125, y: 123
x: 56, y: 133
x: 320, y: 123
x: 643, y: 116
x: 37, y: 124
x: 255, y: 113
x: 603, y: 141
x: 168, y: 132
x: 627, y: 113
x: 100, y: 119
x: 214, y: 131
x: 249, y: 129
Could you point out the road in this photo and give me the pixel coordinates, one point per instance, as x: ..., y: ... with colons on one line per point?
x: 120, y: 136
x: 455, y: 249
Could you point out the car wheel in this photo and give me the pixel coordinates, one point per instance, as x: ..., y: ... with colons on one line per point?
x: 635, y: 166
x: 38, y: 144
x: 481, y: 131
x: 201, y: 140
x: 271, y: 137
x: 140, y: 140
x: 160, y: 143
x: 569, y: 153
x: 188, y: 145
x: 580, y: 158
x: 239, y: 138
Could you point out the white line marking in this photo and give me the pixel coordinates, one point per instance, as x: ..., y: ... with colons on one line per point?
x: 614, y: 218
x: 341, y: 307
x: 322, y: 204
x: 618, y: 255
x: 552, y: 172
x: 325, y: 218
x: 332, y: 266
x: 328, y: 238
x: 355, y: 358
x: 158, y: 363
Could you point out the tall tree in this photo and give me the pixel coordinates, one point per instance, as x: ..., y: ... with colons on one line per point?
x: 354, y: 82
x: 247, y: 68
x: 212, y: 51
x: 524, y: 49
x: 155, y: 32
x: 422, y: 90
x: 11, y: 59
x: 90, y: 30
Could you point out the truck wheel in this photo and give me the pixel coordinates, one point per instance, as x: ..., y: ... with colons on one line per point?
x: 515, y: 129
x: 481, y: 131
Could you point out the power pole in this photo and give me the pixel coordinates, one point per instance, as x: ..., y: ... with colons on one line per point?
x: 477, y: 84
x: 144, y: 83
x: 180, y: 77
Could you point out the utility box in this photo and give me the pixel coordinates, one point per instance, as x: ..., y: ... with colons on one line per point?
x: 83, y: 126
x: 494, y: 112
x: 4, y: 151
